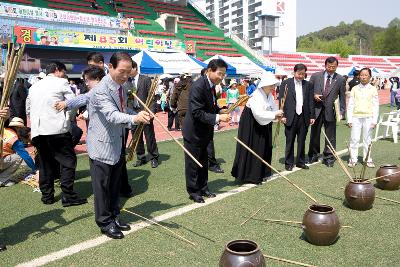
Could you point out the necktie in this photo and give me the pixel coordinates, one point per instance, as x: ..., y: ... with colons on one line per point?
x: 327, y: 85
x: 134, y: 85
x: 299, y: 98
x: 121, y: 98
x: 213, y: 93
x: 134, y: 89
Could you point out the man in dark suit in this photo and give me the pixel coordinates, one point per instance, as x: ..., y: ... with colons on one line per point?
x: 298, y: 115
x: 18, y: 100
x: 356, y: 79
x: 180, y: 101
x: 198, y: 128
x: 141, y: 85
x: 327, y: 86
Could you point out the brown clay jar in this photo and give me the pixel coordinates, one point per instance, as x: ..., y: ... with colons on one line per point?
x: 321, y: 225
x: 242, y: 253
x: 360, y: 195
x: 391, y: 182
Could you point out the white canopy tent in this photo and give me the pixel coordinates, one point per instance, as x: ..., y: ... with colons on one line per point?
x: 171, y: 63
x: 243, y: 65
x: 348, y: 71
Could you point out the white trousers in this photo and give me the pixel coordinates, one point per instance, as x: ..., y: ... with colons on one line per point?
x: 360, y: 126
x: 10, y: 166
x: 235, y: 113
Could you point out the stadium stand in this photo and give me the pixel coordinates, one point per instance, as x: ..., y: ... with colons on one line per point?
x: 71, y: 3
x: 193, y: 26
x: 25, y: 2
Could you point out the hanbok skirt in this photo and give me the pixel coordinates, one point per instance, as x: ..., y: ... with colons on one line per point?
x: 246, y: 167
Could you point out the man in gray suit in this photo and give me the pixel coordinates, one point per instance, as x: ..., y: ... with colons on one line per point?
x: 327, y: 86
x: 106, y: 131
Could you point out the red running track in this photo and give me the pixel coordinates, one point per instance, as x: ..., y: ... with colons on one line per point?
x: 161, y: 135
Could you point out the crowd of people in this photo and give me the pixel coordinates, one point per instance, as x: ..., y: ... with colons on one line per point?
x: 111, y: 113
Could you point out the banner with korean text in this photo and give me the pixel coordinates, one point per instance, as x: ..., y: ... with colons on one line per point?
x: 60, y: 16
x: 47, y: 37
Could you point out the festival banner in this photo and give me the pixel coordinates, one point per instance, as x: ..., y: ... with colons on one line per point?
x: 24, y: 35
x: 190, y: 47
x: 59, y: 16
x: 49, y: 37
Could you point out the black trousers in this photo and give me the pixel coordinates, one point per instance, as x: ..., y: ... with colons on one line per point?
x: 212, y: 161
x: 151, y: 143
x: 76, y: 133
x: 56, y: 152
x: 299, y: 129
x: 106, y: 186
x: 125, y: 186
x: 181, y: 117
x: 315, y: 137
x: 173, y: 116
x: 196, y: 177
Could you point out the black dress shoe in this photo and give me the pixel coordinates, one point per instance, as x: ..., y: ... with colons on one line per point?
x: 112, y: 232
x: 139, y: 163
x: 302, y: 166
x: 208, y: 194
x: 216, y: 169
x: 154, y: 163
x: 289, y: 167
x: 76, y: 201
x: 127, y: 194
x: 2, y: 247
x: 121, y: 225
x: 313, y: 159
x: 197, y: 198
x: 48, y: 201
x: 329, y: 164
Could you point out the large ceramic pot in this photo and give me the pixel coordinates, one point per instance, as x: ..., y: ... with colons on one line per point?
x: 321, y: 225
x: 242, y: 253
x: 391, y: 182
x: 359, y: 195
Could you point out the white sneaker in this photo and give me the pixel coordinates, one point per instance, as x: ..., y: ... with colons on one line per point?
x: 370, y: 164
x: 351, y: 164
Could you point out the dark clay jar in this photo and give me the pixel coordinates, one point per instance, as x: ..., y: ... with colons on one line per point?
x: 242, y: 253
x: 321, y: 225
x: 359, y: 195
x: 391, y: 182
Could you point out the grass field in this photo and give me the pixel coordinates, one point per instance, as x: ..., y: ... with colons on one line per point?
x: 31, y: 229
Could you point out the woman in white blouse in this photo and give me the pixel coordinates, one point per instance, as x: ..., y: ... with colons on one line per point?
x: 255, y: 130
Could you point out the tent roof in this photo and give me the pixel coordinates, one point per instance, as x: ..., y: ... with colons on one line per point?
x: 146, y: 64
x: 243, y: 65
x: 172, y: 63
x: 231, y: 71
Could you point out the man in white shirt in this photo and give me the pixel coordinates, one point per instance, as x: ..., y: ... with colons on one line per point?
x: 299, y: 113
x: 51, y: 136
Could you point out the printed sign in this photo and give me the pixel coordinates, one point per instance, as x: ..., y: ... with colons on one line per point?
x: 50, y: 37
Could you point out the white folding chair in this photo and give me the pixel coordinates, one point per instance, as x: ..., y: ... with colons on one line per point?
x: 391, y: 121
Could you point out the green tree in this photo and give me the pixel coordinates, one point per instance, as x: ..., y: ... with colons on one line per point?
x: 349, y: 35
x: 339, y: 46
x: 394, y: 23
x: 391, y: 42
x: 378, y: 43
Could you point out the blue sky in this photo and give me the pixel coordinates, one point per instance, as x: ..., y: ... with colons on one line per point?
x: 311, y: 14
